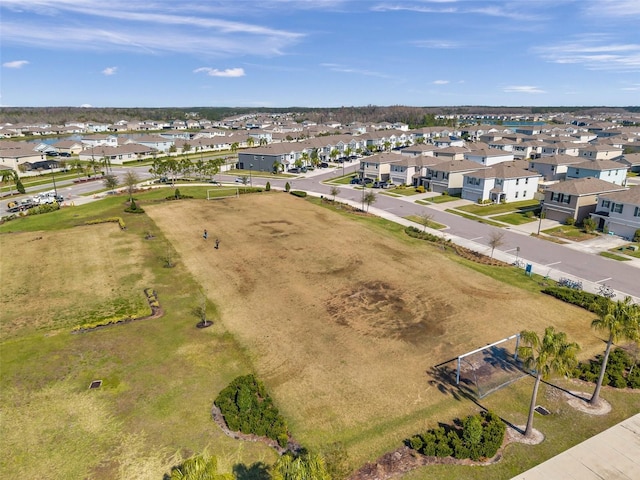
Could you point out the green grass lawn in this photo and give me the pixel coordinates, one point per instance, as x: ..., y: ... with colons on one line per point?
x: 614, y: 256
x: 474, y: 217
x: 570, y: 232
x: 442, y: 198
x: 430, y: 223
x: 515, y: 218
x: 496, y: 208
x: 627, y: 250
x: 405, y: 192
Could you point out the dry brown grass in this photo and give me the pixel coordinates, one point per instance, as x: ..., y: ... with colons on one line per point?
x: 342, y: 320
x: 62, y: 278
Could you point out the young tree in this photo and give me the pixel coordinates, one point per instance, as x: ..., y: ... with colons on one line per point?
x: 589, y: 225
x: 550, y: 354
x: 251, y: 142
x: 334, y: 154
x: 335, y: 191
x: 369, y: 198
x: 110, y: 182
x: 621, y: 320
x: 8, y: 177
x: 234, y: 147
x: 496, y: 239
x: 425, y: 219
x: 131, y: 179
x: 263, y: 141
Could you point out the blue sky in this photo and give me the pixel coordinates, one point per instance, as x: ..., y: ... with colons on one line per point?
x: 319, y: 53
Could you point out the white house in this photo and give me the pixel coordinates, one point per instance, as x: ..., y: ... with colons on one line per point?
x: 606, y: 170
x: 501, y: 183
x: 619, y: 212
x: 489, y: 157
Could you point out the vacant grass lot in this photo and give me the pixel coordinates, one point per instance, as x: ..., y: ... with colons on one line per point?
x: 342, y: 316
x: 340, y: 323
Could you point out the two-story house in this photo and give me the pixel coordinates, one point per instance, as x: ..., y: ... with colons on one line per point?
x: 501, y: 183
x: 448, y: 176
x: 600, y: 152
x: 619, y: 212
x: 576, y: 198
x: 607, y: 170
x: 553, y: 168
x: 489, y: 157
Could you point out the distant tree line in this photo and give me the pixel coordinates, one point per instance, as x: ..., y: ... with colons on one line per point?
x: 413, y: 116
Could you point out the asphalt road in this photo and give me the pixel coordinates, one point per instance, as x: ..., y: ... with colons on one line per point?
x: 554, y: 258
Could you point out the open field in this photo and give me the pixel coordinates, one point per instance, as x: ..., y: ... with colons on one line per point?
x: 342, y: 316
x: 341, y: 321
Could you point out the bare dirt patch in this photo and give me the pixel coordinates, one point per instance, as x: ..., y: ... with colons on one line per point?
x: 341, y: 319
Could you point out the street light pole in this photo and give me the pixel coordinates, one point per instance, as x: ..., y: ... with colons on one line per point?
x: 53, y: 177
x: 250, y: 176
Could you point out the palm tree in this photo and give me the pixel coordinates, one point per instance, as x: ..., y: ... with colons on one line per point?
x: 234, y: 147
x: 551, y: 354
x: 263, y: 141
x: 9, y: 176
x: 333, y: 154
x: 302, y: 467
x: 250, y: 141
x: 622, y: 321
x: 305, y: 158
x: 199, y: 467
x: 387, y: 145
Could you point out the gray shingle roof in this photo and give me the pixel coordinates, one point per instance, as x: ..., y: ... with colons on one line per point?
x: 584, y: 186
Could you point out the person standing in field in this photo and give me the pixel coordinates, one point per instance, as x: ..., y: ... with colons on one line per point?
x: 205, y: 234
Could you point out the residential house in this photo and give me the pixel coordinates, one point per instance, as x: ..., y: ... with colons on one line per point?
x: 154, y: 141
x: 506, y: 182
x: 100, y: 141
x: 68, y: 146
x: 419, y: 150
x: 631, y: 161
x: 576, y: 198
x: 128, y: 152
x: 448, y: 176
x: 553, y: 168
x: 607, y: 170
x: 409, y: 169
x: 451, y: 153
x: 378, y: 167
x: 267, y: 158
x: 14, y: 156
x: 619, y: 212
x: 489, y: 157
x: 561, y: 148
x: 600, y: 152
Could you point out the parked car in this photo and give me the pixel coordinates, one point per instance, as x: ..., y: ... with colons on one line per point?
x: 380, y: 185
x: 356, y: 181
x: 215, y: 182
x: 239, y: 180
x: 65, y: 154
x: 324, y: 165
x: 293, y: 170
x: 52, y: 154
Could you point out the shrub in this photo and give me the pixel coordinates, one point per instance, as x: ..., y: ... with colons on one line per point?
x: 420, y: 189
x: 176, y: 194
x: 45, y: 208
x: 134, y: 208
x: 570, y: 221
x: 636, y: 236
x: 622, y: 371
x: 118, y: 220
x: 287, y: 187
x: 589, y: 225
x: 529, y: 214
x: 298, y: 193
x: 575, y: 297
x: 268, y: 187
x: 246, y: 407
x: 480, y: 436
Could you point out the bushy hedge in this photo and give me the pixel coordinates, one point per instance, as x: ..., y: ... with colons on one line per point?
x: 246, y: 407
x: 576, y: 297
x: 417, y: 233
x: 298, y: 193
x: 118, y: 220
x: 134, y: 208
x: 622, y: 370
x: 479, y: 437
x: 142, y: 312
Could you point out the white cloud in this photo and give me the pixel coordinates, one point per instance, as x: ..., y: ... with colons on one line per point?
x: 523, y: 89
x: 110, y: 71
x: 335, y: 67
x: 214, y: 72
x: 508, y: 11
x: 437, y: 44
x: 86, y: 105
x: 594, y: 52
x: 440, y: 82
x: 15, y: 64
x: 614, y: 8
x: 139, y: 26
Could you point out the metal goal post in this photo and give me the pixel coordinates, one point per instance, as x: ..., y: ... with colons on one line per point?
x: 516, y: 336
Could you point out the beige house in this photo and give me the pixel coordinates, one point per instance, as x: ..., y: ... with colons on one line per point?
x: 577, y: 198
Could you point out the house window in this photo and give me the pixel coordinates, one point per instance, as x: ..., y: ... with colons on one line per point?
x: 617, y: 208
x: 555, y: 197
x: 605, y: 203
x: 517, y: 194
x: 609, y: 173
x: 577, y: 171
x: 636, y: 212
x: 517, y: 181
x: 566, y: 199
x: 526, y: 181
x: 524, y: 194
